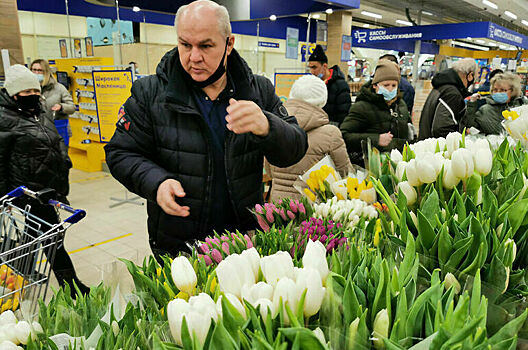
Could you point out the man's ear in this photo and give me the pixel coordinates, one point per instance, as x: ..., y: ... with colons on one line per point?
x: 230, y: 44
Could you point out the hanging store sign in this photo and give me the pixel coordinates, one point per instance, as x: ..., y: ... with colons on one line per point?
x: 268, y: 44
x: 292, y: 43
x: 346, y: 46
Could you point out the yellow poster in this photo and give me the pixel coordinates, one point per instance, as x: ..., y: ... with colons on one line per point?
x: 112, y: 89
x: 284, y: 82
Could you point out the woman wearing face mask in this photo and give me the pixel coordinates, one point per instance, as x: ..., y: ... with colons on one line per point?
x: 379, y: 114
x: 33, y: 154
x: 505, y: 93
x: 56, y: 98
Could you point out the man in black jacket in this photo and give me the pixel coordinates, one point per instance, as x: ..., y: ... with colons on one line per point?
x: 338, y: 103
x: 445, y: 107
x: 193, y: 137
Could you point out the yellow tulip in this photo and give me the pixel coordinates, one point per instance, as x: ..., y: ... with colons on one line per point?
x: 212, y: 289
x: 377, y: 231
x: 309, y: 194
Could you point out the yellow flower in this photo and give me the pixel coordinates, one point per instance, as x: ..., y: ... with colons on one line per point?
x: 377, y: 231
x: 312, y: 183
x: 321, y: 186
x: 158, y: 271
x: 212, y: 289
x: 369, y: 185
x: 339, y: 196
x: 309, y: 194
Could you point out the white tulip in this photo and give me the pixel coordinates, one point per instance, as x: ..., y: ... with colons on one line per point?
x: 7, y: 345
x: 451, y: 281
x: 396, y: 156
x: 261, y: 290
x: 381, y: 328
x: 183, y: 274
x: 412, y: 172
x: 36, y: 328
x: 7, y: 317
x: 286, y: 292
x: 408, y: 191
x: 449, y: 179
x: 198, y: 324
x: 233, y: 300
x: 276, y: 266
x: 175, y: 311
x: 315, y: 257
x: 22, y: 331
x: 400, y: 169
x: 253, y: 258
x: 453, y: 142
x: 426, y: 169
x: 368, y: 196
x: 265, y: 306
x: 310, y: 280
x: 441, y: 144
x: 320, y: 335
x: 483, y: 159
x: 204, y: 304
x: 462, y: 163
x: 233, y: 272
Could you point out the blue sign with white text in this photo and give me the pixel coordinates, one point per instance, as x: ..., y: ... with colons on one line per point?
x: 365, y: 38
x: 268, y: 44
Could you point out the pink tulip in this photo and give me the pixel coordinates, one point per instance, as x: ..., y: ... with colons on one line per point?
x: 206, y: 259
x: 249, y: 242
x: 225, y: 247
x: 293, y: 206
x: 215, y: 254
x: 282, y: 214
x: 269, y: 216
x: 208, y: 240
x: 330, y: 246
x: 302, y: 209
x: 224, y: 238
x: 262, y: 223
x: 259, y: 209
x: 342, y: 241
x: 279, y: 202
x: 323, y: 238
x: 290, y: 214
x: 204, y: 248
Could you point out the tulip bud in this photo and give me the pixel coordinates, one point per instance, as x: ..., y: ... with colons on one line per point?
x: 449, y: 179
x: 453, y: 142
x: 408, y: 191
x: 198, y: 325
x: 368, y: 196
x: 262, y: 223
x: 285, y: 290
x: 253, y: 259
x: 233, y: 273
x: 265, y: 306
x: 183, y: 274
x: 217, y: 257
x: 320, y: 335
x: 302, y: 209
x: 483, y: 160
x: 259, y: 209
x: 381, y: 329
x: 290, y: 215
x: 276, y: 266
x: 426, y: 169
x: 451, y: 281
x: 315, y: 257
x: 293, y: 206
x: 412, y: 172
x: 462, y: 163
x: 261, y: 290
x: 233, y: 300
x: 22, y: 331
x: 309, y: 279
x: 352, y: 333
x: 396, y: 156
x: 175, y: 311
x: 400, y: 169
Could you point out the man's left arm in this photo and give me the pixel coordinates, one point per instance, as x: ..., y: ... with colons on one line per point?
x: 281, y: 139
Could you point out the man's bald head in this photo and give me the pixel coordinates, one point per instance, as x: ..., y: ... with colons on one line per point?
x: 201, y: 9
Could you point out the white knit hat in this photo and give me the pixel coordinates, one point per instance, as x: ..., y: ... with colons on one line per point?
x: 311, y: 89
x: 19, y: 78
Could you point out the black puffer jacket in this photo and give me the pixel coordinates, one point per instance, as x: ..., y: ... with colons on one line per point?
x: 32, y: 153
x: 370, y: 116
x: 338, y: 103
x: 444, y: 107
x: 163, y: 136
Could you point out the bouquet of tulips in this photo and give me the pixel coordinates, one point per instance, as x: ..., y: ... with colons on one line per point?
x: 282, y: 212
x: 516, y: 123
x: 316, y: 183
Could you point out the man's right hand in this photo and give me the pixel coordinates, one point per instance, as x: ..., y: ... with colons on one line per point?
x: 385, y: 139
x: 165, y: 198
x: 475, y: 97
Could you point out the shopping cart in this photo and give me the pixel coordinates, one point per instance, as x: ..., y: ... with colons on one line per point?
x: 27, y: 247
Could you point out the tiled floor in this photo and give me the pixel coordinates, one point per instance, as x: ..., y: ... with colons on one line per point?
x: 105, y: 234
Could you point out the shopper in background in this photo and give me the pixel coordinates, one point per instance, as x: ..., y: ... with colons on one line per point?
x: 136, y: 66
x: 307, y: 97
x: 56, y: 98
x: 486, y: 87
x: 193, y: 137
x: 445, y: 107
x: 32, y: 154
x: 379, y: 114
x: 405, y: 87
x: 339, y: 101
x: 505, y: 94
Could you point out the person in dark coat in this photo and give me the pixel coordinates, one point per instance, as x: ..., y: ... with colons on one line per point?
x: 379, y: 114
x: 405, y: 87
x: 339, y: 101
x: 33, y: 154
x: 445, y: 107
x: 505, y: 94
x: 193, y: 137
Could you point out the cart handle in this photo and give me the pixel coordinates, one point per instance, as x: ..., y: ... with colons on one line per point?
x: 78, y: 214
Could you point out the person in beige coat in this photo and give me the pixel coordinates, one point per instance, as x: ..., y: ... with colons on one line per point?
x: 307, y: 97
x: 56, y: 98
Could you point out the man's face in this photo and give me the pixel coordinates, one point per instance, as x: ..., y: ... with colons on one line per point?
x: 200, y: 44
x: 316, y: 68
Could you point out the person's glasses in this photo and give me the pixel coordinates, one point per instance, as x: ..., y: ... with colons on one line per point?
x: 500, y: 90
x: 36, y: 70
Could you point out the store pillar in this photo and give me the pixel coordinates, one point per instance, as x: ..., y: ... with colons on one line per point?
x: 10, y: 37
x: 339, y: 24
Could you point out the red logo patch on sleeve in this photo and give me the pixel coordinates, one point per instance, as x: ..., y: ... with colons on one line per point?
x: 123, y: 122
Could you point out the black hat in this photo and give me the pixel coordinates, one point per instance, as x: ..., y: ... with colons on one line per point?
x: 318, y: 55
